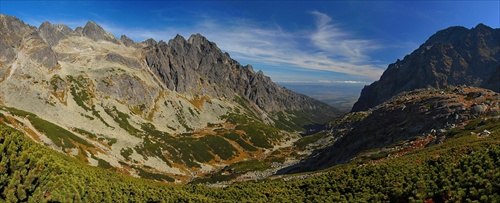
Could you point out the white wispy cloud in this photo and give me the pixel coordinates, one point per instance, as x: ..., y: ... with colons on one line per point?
x: 331, y: 48
x: 332, y: 39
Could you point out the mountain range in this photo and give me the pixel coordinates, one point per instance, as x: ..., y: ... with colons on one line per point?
x: 181, y: 107
x: 184, y: 111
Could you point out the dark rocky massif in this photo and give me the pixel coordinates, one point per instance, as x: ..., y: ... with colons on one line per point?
x: 453, y: 56
x: 426, y: 98
x: 15, y: 36
x: 198, y: 66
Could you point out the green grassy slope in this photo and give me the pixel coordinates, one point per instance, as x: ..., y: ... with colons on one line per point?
x: 249, y: 137
x: 465, y: 168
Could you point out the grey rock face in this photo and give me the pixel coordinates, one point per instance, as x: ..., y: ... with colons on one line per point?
x: 478, y: 109
x: 150, y: 42
x: 197, y: 66
x: 52, y: 34
x: 11, y: 30
x: 96, y: 32
x: 127, y: 89
x: 127, y: 41
x: 15, y: 36
x: 79, y: 31
x: 123, y: 60
x: 454, y: 56
x: 494, y: 82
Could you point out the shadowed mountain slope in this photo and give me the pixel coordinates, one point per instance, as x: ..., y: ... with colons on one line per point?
x: 453, y: 56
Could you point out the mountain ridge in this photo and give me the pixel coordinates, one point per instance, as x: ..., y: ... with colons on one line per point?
x: 206, y: 54
x: 184, y: 112
x: 138, y: 108
x: 450, y: 57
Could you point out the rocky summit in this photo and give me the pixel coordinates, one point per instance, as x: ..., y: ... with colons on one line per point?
x: 453, y: 56
x: 173, y: 110
x: 198, y: 66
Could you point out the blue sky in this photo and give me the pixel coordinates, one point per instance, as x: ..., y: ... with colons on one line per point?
x: 299, y: 41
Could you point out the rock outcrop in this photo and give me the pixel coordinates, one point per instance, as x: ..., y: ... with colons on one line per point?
x: 127, y: 41
x: 454, y: 56
x: 19, y: 41
x: 96, y: 32
x: 411, y: 115
x: 53, y: 33
x: 197, y: 66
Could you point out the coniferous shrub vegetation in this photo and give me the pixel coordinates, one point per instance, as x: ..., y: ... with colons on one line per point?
x: 464, y: 169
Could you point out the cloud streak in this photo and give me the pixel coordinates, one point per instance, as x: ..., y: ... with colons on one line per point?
x: 332, y: 39
x: 326, y: 48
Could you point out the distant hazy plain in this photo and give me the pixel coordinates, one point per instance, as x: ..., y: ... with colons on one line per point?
x: 340, y: 95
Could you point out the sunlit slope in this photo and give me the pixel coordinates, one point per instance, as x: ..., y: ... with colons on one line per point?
x: 463, y: 168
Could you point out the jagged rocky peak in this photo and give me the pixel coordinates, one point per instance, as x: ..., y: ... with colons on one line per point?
x: 12, y: 24
x: 449, y: 35
x: 197, y: 39
x: 53, y: 33
x: 93, y: 30
x: 79, y: 31
x: 10, y: 39
x: 150, y: 42
x: 96, y: 32
x: 182, y: 63
x: 195, y: 66
x: 482, y: 28
x: 12, y: 31
x: 250, y: 68
x: 127, y: 41
x: 201, y: 42
x: 451, y: 57
x: 18, y: 39
x: 177, y: 39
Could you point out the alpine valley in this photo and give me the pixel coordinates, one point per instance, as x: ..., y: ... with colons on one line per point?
x: 88, y: 117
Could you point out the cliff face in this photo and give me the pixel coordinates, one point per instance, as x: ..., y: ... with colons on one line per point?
x: 19, y: 41
x: 198, y: 66
x: 454, y: 56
